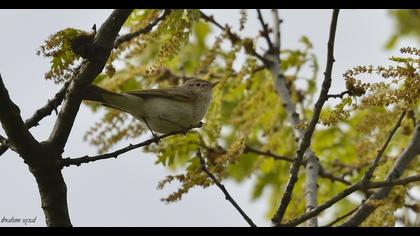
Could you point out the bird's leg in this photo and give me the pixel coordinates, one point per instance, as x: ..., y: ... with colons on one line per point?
x: 147, y: 124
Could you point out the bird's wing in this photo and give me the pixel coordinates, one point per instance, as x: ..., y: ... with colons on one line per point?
x: 174, y: 93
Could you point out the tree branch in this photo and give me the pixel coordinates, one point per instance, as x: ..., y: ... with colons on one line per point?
x: 265, y: 32
x: 86, y: 159
x: 305, y: 142
x: 345, y: 193
x: 232, y: 36
x: 276, y: 29
x: 342, y: 217
x: 267, y: 153
x: 397, y: 170
x: 273, y: 58
x: 102, y: 46
x: 127, y: 37
x: 402, y: 181
x: 327, y: 175
x: 19, y: 136
x: 42, y: 112
x: 222, y: 187
x: 340, y: 95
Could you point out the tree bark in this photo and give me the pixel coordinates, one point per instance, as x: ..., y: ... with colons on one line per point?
x: 53, y: 192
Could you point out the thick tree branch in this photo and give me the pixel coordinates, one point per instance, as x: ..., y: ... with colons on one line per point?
x: 19, y: 136
x: 397, y: 170
x: 42, y: 112
x: 86, y: 159
x: 50, y: 181
x: 222, y: 187
x: 127, y: 37
x: 305, y: 141
x: 102, y: 46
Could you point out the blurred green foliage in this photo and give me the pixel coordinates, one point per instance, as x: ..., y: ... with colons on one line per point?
x: 406, y: 24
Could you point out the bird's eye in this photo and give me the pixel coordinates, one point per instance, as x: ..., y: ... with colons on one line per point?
x: 198, y: 85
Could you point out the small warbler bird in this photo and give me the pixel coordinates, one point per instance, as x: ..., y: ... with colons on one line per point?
x: 163, y: 110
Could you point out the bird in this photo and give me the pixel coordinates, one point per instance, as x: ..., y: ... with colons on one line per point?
x: 163, y: 110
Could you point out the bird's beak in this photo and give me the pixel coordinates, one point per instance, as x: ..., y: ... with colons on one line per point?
x: 214, y: 84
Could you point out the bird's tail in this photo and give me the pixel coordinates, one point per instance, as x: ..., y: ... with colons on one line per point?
x: 95, y: 93
x: 100, y: 95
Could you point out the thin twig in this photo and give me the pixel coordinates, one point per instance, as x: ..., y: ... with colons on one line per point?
x: 350, y: 168
x: 267, y: 153
x: 340, y: 95
x: 369, y: 172
x: 322, y: 172
x: 86, y: 159
x: 266, y: 31
x: 222, y: 187
x: 341, y: 217
x: 48, y: 108
x: 327, y: 175
x: 306, y: 140
x: 127, y: 37
x: 232, y: 36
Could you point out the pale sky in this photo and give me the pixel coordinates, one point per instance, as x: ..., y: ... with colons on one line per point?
x: 122, y: 192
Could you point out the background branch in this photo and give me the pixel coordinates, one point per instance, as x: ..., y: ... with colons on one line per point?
x: 305, y: 141
x: 345, y: 193
x: 267, y: 153
x: 276, y: 29
x: 322, y: 172
x: 232, y: 36
x: 342, y: 217
x: 369, y: 172
x: 266, y: 31
x: 412, y: 150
